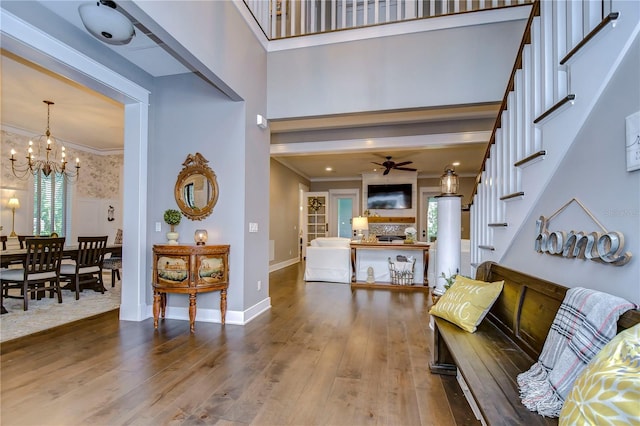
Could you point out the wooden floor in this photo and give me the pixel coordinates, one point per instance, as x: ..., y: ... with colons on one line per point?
x: 321, y: 356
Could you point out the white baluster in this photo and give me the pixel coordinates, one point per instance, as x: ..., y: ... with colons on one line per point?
x: 527, y: 77
x: 294, y: 18
x: 334, y: 22
x: 546, y: 59
x: 559, y: 46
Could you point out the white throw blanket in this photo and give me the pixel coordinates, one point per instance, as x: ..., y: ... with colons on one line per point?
x: 585, y: 322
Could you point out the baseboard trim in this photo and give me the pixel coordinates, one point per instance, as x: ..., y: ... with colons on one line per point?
x: 214, y: 315
x: 284, y: 264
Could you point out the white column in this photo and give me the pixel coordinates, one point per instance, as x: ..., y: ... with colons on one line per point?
x: 448, y: 242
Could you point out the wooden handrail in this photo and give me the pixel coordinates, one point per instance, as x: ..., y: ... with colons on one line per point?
x: 526, y: 39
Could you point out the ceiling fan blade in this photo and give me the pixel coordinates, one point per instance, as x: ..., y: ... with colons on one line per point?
x: 379, y: 164
x: 386, y: 172
x: 409, y: 169
x: 404, y: 163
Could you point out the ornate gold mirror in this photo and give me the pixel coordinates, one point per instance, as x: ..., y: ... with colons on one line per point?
x: 196, y: 189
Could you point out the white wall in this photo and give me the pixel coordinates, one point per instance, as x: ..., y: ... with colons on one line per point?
x: 594, y: 172
x: 434, y: 68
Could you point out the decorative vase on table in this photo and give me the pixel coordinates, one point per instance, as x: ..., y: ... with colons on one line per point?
x: 172, y: 236
x: 172, y: 218
x: 410, y: 235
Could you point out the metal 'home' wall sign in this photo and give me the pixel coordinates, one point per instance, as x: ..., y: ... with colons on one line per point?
x: 605, y: 247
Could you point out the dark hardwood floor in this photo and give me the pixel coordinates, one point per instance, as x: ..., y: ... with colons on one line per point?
x: 323, y: 355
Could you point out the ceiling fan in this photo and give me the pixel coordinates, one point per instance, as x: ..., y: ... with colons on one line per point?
x: 388, y: 165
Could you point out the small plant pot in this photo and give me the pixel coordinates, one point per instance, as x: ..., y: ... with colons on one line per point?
x: 172, y: 237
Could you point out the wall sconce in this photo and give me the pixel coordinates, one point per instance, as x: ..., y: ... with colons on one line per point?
x: 449, y: 181
x: 200, y: 237
x: 360, y: 223
x: 13, y: 204
x: 261, y: 121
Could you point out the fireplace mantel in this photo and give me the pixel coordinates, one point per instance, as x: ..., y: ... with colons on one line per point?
x: 388, y: 219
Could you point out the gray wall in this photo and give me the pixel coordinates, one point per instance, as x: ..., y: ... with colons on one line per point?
x: 283, y: 206
x: 191, y: 116
x: 220, y: 40
x: 594, y: 172
x: 431, y: 68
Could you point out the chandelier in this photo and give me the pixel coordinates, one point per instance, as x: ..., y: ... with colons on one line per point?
x: 42, y: 156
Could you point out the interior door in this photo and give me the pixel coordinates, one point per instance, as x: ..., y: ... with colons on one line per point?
x: 428, y: 214
x: 345, y: 204
x: 316, y: 217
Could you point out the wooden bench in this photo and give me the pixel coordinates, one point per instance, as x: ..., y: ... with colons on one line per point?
x: 508, y: 341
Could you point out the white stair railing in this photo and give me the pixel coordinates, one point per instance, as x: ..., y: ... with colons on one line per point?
x: 539, y: 88
x: 289, y: 18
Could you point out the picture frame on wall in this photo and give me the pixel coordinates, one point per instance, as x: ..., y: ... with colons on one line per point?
x: 633, y: 141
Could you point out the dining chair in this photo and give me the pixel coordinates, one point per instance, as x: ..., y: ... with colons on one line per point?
x: 87, y: 268
x: 3, y: 240
x: 41, y: 266
x: 114, y: 263
x: 22, y: 239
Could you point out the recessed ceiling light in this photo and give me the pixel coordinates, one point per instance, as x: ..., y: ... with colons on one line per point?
x: 329, y: 169
x: 456, y: 163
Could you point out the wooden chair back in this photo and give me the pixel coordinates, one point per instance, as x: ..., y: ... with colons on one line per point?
x: 3, y: 240
x: 22, y: 238
x: 91, y: 251
x: 43, y: 255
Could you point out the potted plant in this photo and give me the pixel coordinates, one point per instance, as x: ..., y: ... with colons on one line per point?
x: 172, y: 217
x: 448, y: 283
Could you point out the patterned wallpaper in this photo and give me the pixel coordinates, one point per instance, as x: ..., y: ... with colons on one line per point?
x: 99, y: 174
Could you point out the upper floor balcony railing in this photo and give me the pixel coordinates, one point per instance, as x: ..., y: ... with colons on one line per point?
x: 289, y: 18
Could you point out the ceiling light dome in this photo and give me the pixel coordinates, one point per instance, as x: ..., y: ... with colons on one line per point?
x: 105, y: 23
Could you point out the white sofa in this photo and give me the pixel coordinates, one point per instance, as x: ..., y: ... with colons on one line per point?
x: 328, y: 259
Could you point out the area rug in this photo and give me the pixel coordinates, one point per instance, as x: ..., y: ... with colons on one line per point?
x: 47, y: 313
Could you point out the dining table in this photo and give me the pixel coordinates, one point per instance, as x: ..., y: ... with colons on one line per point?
x: 18, y: 257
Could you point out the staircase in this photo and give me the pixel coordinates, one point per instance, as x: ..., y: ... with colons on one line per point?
x: 568, y: 54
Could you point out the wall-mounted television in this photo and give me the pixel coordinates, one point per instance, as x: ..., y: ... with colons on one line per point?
x: 389, y: 196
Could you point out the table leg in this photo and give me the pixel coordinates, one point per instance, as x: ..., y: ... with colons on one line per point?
x: 156, y: 308
x: 192, y: 311
x: 163, y: 304
x: 223, y: 305
x: 353, y: 264
x: 426, y: 267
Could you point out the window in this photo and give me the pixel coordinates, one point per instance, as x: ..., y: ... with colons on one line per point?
x: 49, y: 204
x: 432, y: 219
